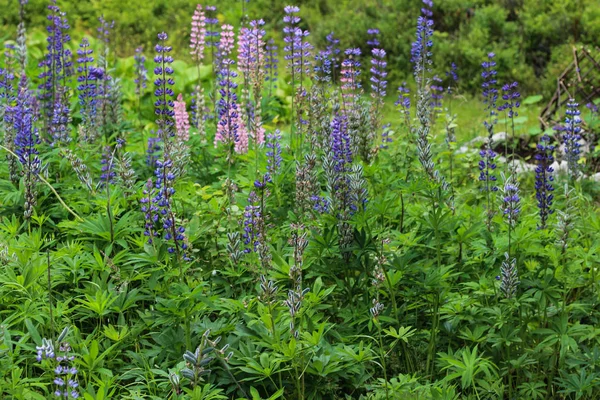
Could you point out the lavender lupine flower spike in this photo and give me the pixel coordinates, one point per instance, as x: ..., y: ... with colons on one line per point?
x: 403, y: 104
x: 334, y: 52
x: 251, y: 61
x: 271, y: 64
x: 323, y: 67
x: 571, y: 137
x: 487, y: 164
x: 62, y: 364
x: 373, y: 41
x: 273, y: 152
x: 163, y: 92
x: 21, y: 118
x: 296, y: 48
x: 349, y: 78
x: 511, y: 97
x: 57, y: 68
x: 511, y: 202
x: 543, y: 180
x: 421, y: 59
x: 437, y: 95
x: 141, y: 73
x: 88, y: 88
x: 165, y: 120
x: 378, y: 87
x: 230, y: 127
x: 378, y: 73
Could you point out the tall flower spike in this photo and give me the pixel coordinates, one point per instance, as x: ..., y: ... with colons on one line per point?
x: 349, y: 78
x: 230, y: 127
x: 373, y: 41
x: 378, y: 73
x: 251, y: 61
x: 57, y: 68
x: 273, y: 152
x: 271, y: 64
x: 509, y: 277
x: 487, y: 164
x: 297, y: 49
x: 198, y: 34
x: 571, y: 137
x: 141, y: 73
x: 334, y: 51
x: 511, y: 97
x: 163, y: 106
x: 182, y: 120
x: 437, y: 95
x: 403, y: 104
x: 322, y: 69
x: 511, y: 202
x: 26, y: 140
x: 88, y: 88
x: 543, y: 180
x: 21, y: 45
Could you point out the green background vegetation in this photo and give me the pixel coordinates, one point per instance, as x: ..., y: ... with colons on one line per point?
x: 532, y: 38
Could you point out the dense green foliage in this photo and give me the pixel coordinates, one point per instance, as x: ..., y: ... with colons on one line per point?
x: 421, y: 291
x: 532, y: 38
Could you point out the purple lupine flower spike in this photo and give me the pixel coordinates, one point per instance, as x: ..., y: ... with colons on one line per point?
x: 57, y: 68
x: 141, y: 73
x: 571, y: 137
x: 543, y: 180
x: 165, y: 177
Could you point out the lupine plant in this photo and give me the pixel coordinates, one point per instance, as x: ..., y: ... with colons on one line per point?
x: 306, y: 244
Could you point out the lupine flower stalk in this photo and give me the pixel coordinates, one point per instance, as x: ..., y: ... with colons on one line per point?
x: 22, y: 119
x: 212, y: 42
x: 62, y: 363
x: 251, y: 61
x: 231, y: 129
x: 88, y: 89
x: 509, y: 277
x: 271, y: 65
x: 543, y: 180
x: 297, y: 49
x: 349, y: 79
x: 511, y: 97
x: 421, y: 59
x: 164, y: 175
x: 150, y: 210
x: 197, y: 45
x: 255, y: 234
x: 437, y: 97
x: 81, y: 170
x: 337, y: 166
x: 307, y: 186
x: 565, y: 220
x: 198, y: 35
x: 571, y: 137
x: 511, y: 205
x: 487, y: 164
x: 141, y: 73
x: 57, y: 68
x: 21, y: 42
x: 299, y: 242
x: 334, y: 51
x: 106, y: 103
x: 182, y: 120
x: 273, y: 153
x: 378, y: 92
x: 7, y: 98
